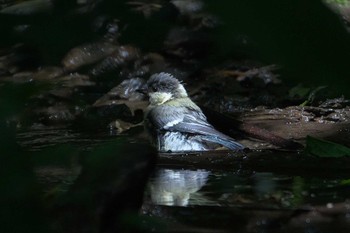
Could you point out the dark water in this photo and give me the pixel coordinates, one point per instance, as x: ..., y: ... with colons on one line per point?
x: 249, y: 201
x: 197, y: 197
x: 182, y: 187
x: 39, y: 137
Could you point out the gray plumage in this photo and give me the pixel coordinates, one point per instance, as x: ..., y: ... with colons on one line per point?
x: 178, y: 124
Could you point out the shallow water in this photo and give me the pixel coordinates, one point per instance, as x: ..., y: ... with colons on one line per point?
x: 238, y: 184
x: 183, y: 187
x: 198, y: 190
x: 39, y: 137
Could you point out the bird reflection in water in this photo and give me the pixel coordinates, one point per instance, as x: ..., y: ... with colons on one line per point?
x: 174, y: 187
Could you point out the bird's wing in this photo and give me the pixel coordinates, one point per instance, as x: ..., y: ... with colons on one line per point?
x: 191, y: 120
x: 208, y: 134
x: 165, y: 117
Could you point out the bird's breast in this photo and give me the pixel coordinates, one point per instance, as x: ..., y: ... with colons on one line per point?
x: 176, y: 141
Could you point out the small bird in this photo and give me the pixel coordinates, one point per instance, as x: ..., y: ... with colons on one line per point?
x: 177, y: 124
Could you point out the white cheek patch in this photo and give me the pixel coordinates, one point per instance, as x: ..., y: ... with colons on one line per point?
x: 182, y: 91
x: 157, y: 98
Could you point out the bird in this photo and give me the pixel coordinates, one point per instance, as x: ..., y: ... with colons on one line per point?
x: 175, y: 123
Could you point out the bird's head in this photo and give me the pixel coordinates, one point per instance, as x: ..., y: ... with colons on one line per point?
x: 162, y: 87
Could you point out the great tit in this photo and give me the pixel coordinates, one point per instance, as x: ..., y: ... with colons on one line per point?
x: 177, y: 124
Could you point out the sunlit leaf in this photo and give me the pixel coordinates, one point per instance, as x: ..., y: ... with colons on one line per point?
x: 298, y: 91
x: 345, y: 182
x: 325, y: 149
x: 312, y: 95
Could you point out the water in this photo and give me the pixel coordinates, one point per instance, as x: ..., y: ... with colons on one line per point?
x: 261, y: 191
x: 184, y: 187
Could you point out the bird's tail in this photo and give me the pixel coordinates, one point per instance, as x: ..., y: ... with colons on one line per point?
x: 228, y: 143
